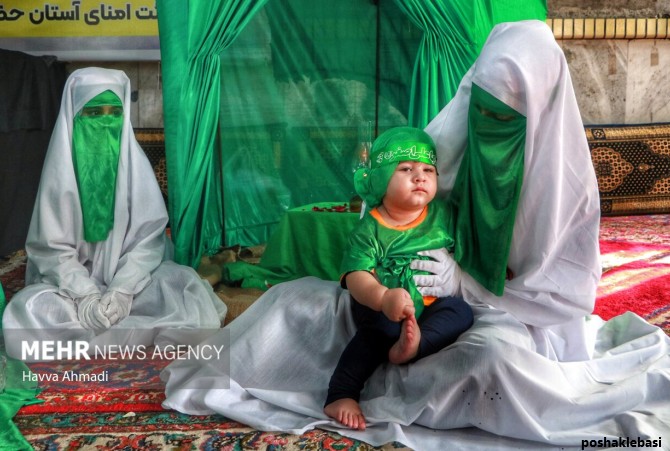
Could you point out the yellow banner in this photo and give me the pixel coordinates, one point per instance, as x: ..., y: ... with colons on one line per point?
x: 77, y: 18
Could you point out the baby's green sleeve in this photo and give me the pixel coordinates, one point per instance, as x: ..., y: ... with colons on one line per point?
x: 362, y: 254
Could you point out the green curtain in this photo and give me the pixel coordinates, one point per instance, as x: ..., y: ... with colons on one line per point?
x: 446, y: 52
x: 454, y: 33
x: 3, y: 303
x: 268, y: 103
x: 193, y: 34
x: 16, y: 394
x: 298, y: 96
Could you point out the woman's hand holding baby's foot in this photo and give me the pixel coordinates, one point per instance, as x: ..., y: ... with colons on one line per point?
x: 346, y: 411
x: 407, y: 346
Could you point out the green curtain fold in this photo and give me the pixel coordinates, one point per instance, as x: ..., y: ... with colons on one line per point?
x: 454, y: 33
x: 297, y: 90
x: 3, y: 303
x: 16, y: 394
x: 446, y: 52
x: 193, y: 34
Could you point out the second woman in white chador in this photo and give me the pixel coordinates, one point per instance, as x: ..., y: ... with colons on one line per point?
x: 97, y: 268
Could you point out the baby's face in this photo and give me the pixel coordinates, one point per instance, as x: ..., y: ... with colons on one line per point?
x: 412, y: 185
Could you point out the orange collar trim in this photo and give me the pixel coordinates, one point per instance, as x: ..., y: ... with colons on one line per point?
x: 377, y: 215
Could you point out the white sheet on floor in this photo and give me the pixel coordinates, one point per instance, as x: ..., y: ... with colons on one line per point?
x: 286, y: 345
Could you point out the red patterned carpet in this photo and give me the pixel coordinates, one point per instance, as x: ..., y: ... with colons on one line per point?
x: 126, y: 413
x: 132, y: 386
x: 635, y: 252
x: 636, y: 277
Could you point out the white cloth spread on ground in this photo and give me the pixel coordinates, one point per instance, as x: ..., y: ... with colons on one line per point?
x: 533, y: 372
x: 61, y: 267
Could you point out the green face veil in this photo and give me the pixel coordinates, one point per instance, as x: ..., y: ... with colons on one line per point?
x: 96, y: 136
x: 391, y: 147
x: 487, y: 187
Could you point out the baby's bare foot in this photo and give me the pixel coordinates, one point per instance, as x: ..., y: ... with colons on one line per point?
x: 407, y: 346
x: 346, y: 411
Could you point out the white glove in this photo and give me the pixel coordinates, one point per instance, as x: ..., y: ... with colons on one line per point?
x: 90, y: 313
x: 116, y: 305
x: 445, y: 274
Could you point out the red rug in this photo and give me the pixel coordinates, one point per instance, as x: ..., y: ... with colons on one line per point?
x: 636, y: 278
x: 124, y: 413
x: 635, y: 253
x: 133, y: 386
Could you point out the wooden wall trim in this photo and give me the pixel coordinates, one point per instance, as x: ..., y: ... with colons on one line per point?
x: 610, y: 28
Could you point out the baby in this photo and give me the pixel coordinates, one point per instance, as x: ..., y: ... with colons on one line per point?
x: 395, y: 323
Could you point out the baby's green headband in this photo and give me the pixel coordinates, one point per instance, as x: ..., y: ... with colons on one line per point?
x: 391, y: 147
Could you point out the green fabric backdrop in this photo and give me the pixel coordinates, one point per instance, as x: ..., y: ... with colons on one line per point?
x: 193, y: 34
x: 454, y: 33
x: 267, y: 103
x: 16, y: 394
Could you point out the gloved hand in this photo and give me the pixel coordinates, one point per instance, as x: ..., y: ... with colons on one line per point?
x: 116, y: 305
x: 445, y: 274
x: 90, y: 313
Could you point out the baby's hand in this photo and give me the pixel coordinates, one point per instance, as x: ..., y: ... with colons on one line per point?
x: 397, y: 304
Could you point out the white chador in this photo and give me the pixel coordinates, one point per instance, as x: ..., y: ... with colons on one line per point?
x: 117, y: 290
x: 535, y: 371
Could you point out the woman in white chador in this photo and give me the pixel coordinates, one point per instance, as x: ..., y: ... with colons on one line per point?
x: 96, y: 245
x: 535, y: 371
